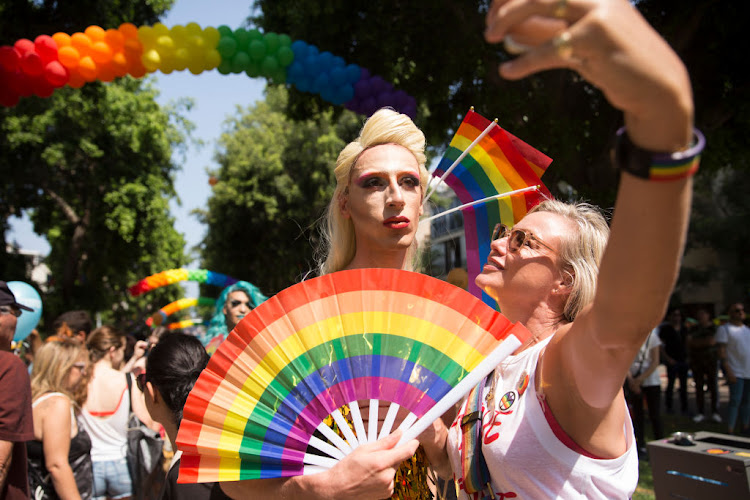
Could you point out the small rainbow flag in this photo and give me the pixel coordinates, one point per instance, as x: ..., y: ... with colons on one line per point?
x: 498, y: 163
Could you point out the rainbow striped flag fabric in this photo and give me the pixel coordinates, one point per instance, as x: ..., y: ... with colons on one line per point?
x: 498, y: 163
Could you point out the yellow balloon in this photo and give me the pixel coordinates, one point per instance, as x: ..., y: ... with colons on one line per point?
x: 213, y: 59
x: 212, y: 36
x: 151, y: 60
x: 179, y: 34
x: 168, y: 64
x: 193, y: 29
x: 165, y: 45
x: 197, y: 43
x: 147, y: 36
x: 160, y: 30
x: 181, y: 59
x: 197, y: 63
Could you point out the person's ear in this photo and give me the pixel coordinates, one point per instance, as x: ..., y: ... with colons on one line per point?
x: 564, y: 286
x: 344, y: 203
x: 152, y: 392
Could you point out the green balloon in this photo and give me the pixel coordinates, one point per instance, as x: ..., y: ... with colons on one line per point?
x: 257, y: 50
x: 285, y: 55
x: 269, y: 66
x: 285, y: 40
x: 227, y: 47
x: 225, y: 67
x: 225, y: 30
x: 254, y: 34
x: 242, y: 38
x: 279, y: 76
x: 240, y: 62
x: 272, y: 42
x: 253, y: 69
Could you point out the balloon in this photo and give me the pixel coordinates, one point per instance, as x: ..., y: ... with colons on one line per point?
x: 28, y: 296
x: 269, y: 65
x: 129, y: 30
x: 227, y: 47
x: 56, y: 74
x: 69, y: 56
x: 257, y: 50
x: 240, y: 62
x: 23, y: 46
x: 95, y: 33
x: 285, y: 55
x: 213, y: 59
x: 81, y: 42
x: 242, y: 38
x: 285, y: 40
x: 115, y: 39
x: 46, y: 47
x: 211, y: 35
x: 101, y: 53
x: 32, y: 64
x: 61, y: 39
x: 272, y: 42
x: 9, y: 58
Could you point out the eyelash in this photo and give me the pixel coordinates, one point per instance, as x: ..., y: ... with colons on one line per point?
x: 409, y: 180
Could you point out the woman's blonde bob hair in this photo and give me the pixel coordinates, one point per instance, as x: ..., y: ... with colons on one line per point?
x: 386, y: 126
x: 580, y: 252
x: 52, y: 364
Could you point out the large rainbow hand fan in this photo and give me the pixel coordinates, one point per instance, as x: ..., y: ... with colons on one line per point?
x: 404, y: 338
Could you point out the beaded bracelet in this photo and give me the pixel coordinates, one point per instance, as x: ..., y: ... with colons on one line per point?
x: 658, y: 166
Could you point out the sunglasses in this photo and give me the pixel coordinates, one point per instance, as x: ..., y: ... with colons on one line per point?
x: 10, y: 310
x: 237, y: 303
x: 140, y: 381
x: 517, y: 237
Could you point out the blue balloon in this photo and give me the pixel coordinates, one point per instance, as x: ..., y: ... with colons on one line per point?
x: 28, y: 296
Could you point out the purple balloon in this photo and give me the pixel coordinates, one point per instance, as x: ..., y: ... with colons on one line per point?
x: 400, y: 99
x: 378, y: 85
x: 386, y: 99
x: 362, y: 89
x: 369, y: 106
x: 364, y: 74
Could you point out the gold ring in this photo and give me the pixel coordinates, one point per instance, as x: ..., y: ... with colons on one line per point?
x: 561, y: 9
x: 563, y: 45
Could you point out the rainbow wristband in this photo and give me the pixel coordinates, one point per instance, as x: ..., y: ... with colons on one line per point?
x: 658, y: 166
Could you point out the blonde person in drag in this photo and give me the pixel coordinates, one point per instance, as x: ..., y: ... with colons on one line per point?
x: 371, y: 222
x: 553, y: 416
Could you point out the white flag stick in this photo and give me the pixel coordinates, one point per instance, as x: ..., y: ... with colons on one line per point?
x: 458, y: 160
x: 477, y: 202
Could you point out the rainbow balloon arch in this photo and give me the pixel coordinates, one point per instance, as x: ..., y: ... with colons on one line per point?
x: 50, y: 62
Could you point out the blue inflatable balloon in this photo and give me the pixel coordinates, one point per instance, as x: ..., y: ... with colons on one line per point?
x: 28, y: 296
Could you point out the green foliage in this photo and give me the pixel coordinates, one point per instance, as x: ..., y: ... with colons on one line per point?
x: 274, y: 182
x: 95, y: 168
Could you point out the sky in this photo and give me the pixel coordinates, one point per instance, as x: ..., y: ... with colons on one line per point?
x: 215, y: 96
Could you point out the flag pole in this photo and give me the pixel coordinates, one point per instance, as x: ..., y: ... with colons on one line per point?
x: 477, y: 202
x: 459, y: 159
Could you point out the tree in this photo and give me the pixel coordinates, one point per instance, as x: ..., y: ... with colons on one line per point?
x: 94, y: 167
x: 274, y: 181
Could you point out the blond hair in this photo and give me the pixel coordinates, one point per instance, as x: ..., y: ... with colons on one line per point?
x: 580, y: 252
x: 52, y: 364
x: 386, y: 126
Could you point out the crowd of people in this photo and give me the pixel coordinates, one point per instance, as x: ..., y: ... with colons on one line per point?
x: 563, y: 271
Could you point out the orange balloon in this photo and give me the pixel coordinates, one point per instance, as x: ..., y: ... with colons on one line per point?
x: 61, y: 39
x: 87, y: 68
x: 136, y: 69
x: 133, y: 48
x: 129, y: 30
x: 95, y: 33
x: 75, y: 81
x: 101, y: 53
x: 115, y: 40
x: 68, y: 56
x: 119, y: 64
x: 82, y: 43
x: 105, y: 72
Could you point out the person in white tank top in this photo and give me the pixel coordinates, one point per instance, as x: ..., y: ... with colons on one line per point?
x: 554, y: 419
x: 106, y: 413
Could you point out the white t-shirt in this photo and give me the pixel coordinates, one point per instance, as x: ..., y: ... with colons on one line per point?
x: 737, y: 339
x: 642, y: 361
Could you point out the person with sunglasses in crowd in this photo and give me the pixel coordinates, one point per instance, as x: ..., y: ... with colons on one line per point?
x: 172, y: 367
x: 16, y: 424
x: 233, y: 304
x: 59, y: 456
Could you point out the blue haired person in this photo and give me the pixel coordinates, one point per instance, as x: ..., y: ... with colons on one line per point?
x: 232, y: 305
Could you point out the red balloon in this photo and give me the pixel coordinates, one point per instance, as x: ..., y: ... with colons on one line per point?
x: 10, y: 59
x: 46, y: 47
x: 8, y: 98
x: 24, y: 45
x: 32, y: 64
x: 56, y: 74
x: 19, y: 83
x: 42, y: 87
